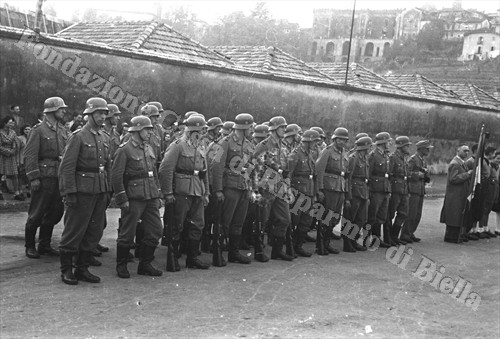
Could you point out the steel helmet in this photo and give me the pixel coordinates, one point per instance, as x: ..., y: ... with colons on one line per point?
x: 341, y: 133
x: 311, y: 135
x: 266, y: 123
x: 188, y: 114
x: 243, y: 121
x: 150, y: 111
x: 292, y: 129
x: 382, y: 138
x: 363, y: 143
x: 276, y: 122
x: 402, y: 141
x: 113, y: 110
x: 95, y: 104
x: 53, y: 104
x: 157, y: 105
x: 212, y: 123
x: 138, y: 123
x: 195, y: 123
x: 360, y: 135
x: 320, y: 131
x: 261, y: 131
x: 227, y: 127
x: 424, y: 144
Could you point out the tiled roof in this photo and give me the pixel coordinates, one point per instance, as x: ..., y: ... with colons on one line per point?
x: 421, y: 86
x: 359, y: 76
x: 473, y: 94
x: 272, y: 60
x: 145, y: 36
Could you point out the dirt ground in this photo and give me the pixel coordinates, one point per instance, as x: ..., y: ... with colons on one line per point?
x: 346, y: 295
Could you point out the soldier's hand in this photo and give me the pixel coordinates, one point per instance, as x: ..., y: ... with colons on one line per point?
x: 35, y: 184
x: 220, y: 196
x: 169, y: 199
x: 470, y: 172
x: 206, y: 199
x: 125, y: 207
x: 70, y: 200
x: 321, y: 196
x: 347, y: 204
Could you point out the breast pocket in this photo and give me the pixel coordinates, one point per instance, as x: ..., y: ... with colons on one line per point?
x: 49, y: 144
x: 89, y: 151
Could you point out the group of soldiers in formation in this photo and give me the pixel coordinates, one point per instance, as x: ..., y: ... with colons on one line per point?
x: 248, y: 179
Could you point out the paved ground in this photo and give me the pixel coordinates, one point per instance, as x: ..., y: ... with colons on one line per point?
x: 347, y: 295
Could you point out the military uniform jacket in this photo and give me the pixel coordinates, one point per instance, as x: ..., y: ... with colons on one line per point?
x: 114, y: 141
x: 358, y: 170
x: 302, y: 171
x: 44, y: 150
x: 271, y: 152
x: 378, y: 162
x: 416, y: 184
x: 181, y: 168
x: 155, y: 142
x: 86, y: 163
x: 134, y: 175
x: 398, y: 172
x: 331, y: 170
x: 234, y: 168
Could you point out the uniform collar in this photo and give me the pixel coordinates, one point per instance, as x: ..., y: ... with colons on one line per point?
x: 91, y: 129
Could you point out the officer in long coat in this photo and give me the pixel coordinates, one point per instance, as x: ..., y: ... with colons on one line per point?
x: 331, y: 171
x: 184, y: 182
x: 137, y: 193
x: 84, y: 184
x: 42, y: 157
x: 457, y: 186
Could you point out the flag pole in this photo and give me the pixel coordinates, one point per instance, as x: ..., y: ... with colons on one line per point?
x: 350, y: 43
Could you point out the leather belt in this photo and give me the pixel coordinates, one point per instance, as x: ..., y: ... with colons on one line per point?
x: 100, y: 169
x: 144, y: 175
x: 341, y: 173
x: 200, y: 174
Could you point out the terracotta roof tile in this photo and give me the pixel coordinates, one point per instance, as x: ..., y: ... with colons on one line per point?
x: 473, y: 94
x: 423, y: 87
x: 359, y: 76
x: 145, y: 36
x: 274, y: 61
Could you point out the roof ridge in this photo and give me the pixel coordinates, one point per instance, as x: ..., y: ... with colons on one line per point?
x: 269, y: 58
x: 420, y: 84
x: 145, y: 35
x: 473, y: 94
x: 444, y: 89
x: 304, y: 63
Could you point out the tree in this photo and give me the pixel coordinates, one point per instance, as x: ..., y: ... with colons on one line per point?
x: 183, y: 20
x: 431, y: 35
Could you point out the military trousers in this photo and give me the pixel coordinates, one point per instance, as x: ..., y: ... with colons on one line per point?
x: 277, y: 209
x: 46, y: 210
x: 148, y: 212
x: 398, y: 207
x: 302, y: 219
x: 359, y: 211
x: 189, y: 210
x: 234, y: 210
x: 334, y: 201
x: 378, y: 208
x: 83, y: 223
x: 415, y: 205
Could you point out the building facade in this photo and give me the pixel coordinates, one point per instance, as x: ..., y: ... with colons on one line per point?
x: 480, y: 45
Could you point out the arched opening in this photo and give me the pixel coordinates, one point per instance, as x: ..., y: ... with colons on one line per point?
x: 386, y: 48
x: 345, y: 48
x: 314, y: 49
x: 369, y: 49
x: 330, y: 47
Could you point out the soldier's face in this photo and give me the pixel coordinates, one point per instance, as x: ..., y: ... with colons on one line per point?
x: 405, y: 149
x: 463, y: 152
x: 59, y: 114
x: 145, y: 133
x: 154, y: 119
x: 99, y: 117
x: 496, y: 159
x: 280, y: 131
x: 340, y: 143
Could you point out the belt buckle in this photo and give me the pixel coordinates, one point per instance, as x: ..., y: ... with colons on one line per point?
x: 196, y: 172
x: 101, y: 169
x: 311, y: 176
x: 386, y: 175
x: 406, y: 178
x: 150, y: 174
x: 342, y: 174
x: 366, y: 180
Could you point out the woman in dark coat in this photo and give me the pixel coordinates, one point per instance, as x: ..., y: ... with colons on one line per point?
x: 456, y: 195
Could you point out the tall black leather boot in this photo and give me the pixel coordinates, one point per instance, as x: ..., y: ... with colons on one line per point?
x: 388, y: 234
x: 299, y: 242
x: 277, y: 250
x: 121, y: 261
x: 327, y: 238
x: 348, y: 244
x: 259, y: 254
x: 234, y: 254
x: 145, y: 267
x: 67, y: 276
x: 82, y: 268
x: 376, y: 231
x: 192, y: 260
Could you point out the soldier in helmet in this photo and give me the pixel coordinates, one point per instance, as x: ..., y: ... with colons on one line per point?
x: 302, y: 177
x: 43, y: 154
x: 260, y: 133
x: 321, y: 145
x: 137, y: 188
x: 214, y: 126
x: 158, y: 129
x: 358, y: 194
x: 358, y: 136
x: 380, y: 185
x: 151, y: 111
x: 233, y: 185
x: 292, y: 136
x: 398, y: 202
x: 84, y: 184
x: 184, y: 182
x: 271, y: 153
x: 418, y: 174
x: 227, y: 128
x: 331, y: 171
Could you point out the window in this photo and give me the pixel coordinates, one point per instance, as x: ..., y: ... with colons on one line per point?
x: 480, y: 40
